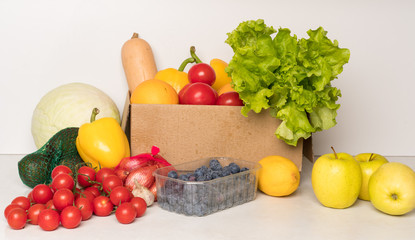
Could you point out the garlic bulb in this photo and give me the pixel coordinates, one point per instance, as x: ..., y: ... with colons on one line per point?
x: 143, y: 192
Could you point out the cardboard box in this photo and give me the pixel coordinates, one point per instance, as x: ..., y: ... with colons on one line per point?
x: 189, y: 132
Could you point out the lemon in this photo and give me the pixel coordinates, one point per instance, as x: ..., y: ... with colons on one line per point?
x: 279, y: 176
x: 154, y: 91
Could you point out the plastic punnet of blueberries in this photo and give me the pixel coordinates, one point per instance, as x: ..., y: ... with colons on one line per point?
x: 205, y: 186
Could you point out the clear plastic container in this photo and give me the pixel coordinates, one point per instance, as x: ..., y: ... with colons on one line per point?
x: 201, y: 198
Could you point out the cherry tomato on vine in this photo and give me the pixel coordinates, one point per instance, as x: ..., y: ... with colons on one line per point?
x: 22, y: 201
x: 48, y: 219
x: 42, y: 193
x: 17, y: 218
x: 34, y: 211
x: 85, y: 176
x: 102, y: 173
x: 120, y: 195
x: 71, y: 217
x: 125, y: 213
x: 229, y: 99
x: 110, y: 182
x: 102, y: 206
x: 140, y: 205
x: 198, y: 94
x: 63, y: 198
x: 94, y: 189
x: 60, y: 169
x: 63, y: 180
x: 50, y: 205
x: 203, y: 73
x: 9, y: 208
x: 85, y: 194
x: 86, y: 208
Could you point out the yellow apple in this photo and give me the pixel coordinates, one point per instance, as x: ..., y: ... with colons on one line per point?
x: 392, y: 188
x: 336, y: 179
x: 369, y: 163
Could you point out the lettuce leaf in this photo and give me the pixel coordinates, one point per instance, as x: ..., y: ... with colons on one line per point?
x: 291, y: 77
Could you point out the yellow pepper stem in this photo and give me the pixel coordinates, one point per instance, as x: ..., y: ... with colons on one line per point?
x: 94, y: 114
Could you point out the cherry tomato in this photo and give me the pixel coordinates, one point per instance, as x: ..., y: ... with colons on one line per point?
x: 198, y: 94
x: 63, y: 198
x: 203, y: 73
x: 48, y: 219
x: 94, y: 189
x: 50, y: 205
x: 102, y: 206
x: 34, y: 211
x: 63, y: 180
x: 60, y: 169
x: 30, y: 196
x: 85, y: 194
x: 229, y: 99
x: 125, y: 213
x: 102, y: 173
x: 71, y: 217
x: 120, y: 195
x: 85, y: 176
x: 17, y: 218
x: 10, y: 207
x: 110, y: 182
x: 42, y: 193
x: 22, y: 201
x: 86, y: 208
x: 181, y: 92
x: 140, y: 205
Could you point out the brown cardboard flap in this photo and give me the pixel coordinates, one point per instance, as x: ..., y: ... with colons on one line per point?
x: 189, y: 132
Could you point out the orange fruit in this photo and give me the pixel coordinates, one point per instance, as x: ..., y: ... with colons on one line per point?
x: 226, y: 88
x: 279, y: 176
x: 154, y: 91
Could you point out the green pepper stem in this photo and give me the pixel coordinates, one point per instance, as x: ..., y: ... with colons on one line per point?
x: 94, y: 114
x: 184, y: 64
x: 193, y: 54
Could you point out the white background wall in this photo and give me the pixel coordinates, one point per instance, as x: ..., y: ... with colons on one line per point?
x: 47, y: 43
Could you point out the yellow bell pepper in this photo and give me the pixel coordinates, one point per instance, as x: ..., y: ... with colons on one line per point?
x: 222, y: 77
x: 102, y: 143
x: 177, y: 78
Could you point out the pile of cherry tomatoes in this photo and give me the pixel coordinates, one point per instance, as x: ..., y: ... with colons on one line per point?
x: 73, y: 198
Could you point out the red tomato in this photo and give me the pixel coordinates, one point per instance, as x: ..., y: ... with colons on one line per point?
x: 102, y: 206
x: 30, y: 196
x: 17, y: 218
x: 22, y: 201
x: 110, y: 182
x: 50, y: 205
x: 60, y: 169
x: 85, y: 194
x: 102, y: 173
x: 120, y: 195
x: 85, y: 176
x: 63, y: 180
x: 229, y: 99
x: 71, y: 217
x: 125, y: 213
x: 86, y: 208
x: 94, y: 189
x: 34, y: 211
x: 48, y: 219
x: 198, y: 94
x: 140, y: 205
x: 10, y: 207
x: 42, y: 193
x: 181, y: 92
x: 203, y: 73
x: 63, y: 198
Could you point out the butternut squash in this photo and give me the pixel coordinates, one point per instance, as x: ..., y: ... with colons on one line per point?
x: 138, y: 61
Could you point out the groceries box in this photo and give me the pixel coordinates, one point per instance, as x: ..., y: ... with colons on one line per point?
x: 188, y: 132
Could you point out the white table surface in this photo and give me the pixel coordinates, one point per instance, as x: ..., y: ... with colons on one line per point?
x: 299, y: 216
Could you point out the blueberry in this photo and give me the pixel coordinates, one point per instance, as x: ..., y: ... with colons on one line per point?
x: 234, y: 168
x: 214, y: 164
x: 173, y: 174
x: 244, y: 169
x: 226, y: 171
x: 192, y: 178
x: 184, y: 177
x: 216, y: 174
